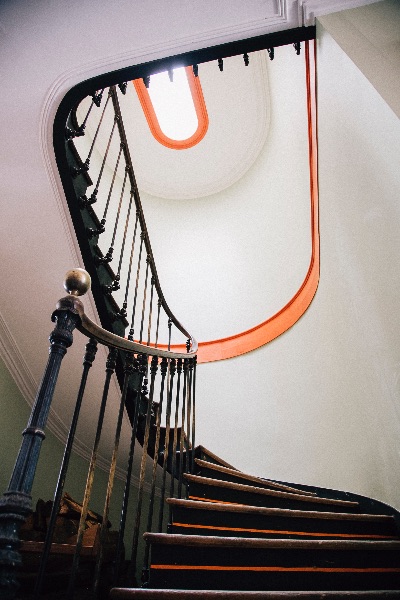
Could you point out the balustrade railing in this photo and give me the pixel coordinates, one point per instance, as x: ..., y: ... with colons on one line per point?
x: 159, y: 384
x: 121, y: 261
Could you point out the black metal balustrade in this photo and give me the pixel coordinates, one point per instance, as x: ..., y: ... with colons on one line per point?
x: 115, y: 241
x: 149, y: 386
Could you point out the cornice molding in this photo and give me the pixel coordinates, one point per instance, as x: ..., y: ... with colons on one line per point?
x: 309, y: 10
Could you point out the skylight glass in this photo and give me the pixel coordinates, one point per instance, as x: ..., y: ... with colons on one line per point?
x: 173, y: 104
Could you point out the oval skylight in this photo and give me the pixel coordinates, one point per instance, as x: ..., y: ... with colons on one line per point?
x: 175, y: 110
x: 173, y: 104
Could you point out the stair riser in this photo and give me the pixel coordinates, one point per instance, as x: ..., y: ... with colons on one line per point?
x: 255, y: 581
x: 220, y: 494
x: 252, y: 521
x: 290, y: 556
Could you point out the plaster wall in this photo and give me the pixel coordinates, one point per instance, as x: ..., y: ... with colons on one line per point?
x: 320, y: 403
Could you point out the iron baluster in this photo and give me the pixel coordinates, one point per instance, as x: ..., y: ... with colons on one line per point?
x: 93, y: 197
x: 175, y: 440
x: 95, y: 232
x: 91, y: 349
x: 110, y: 368
x: 84, y: 167
x: 132, y: 329
x: 80, y: 130
x: 139, y: 367
x: 150, y: 311
x: 170, y: 386
x: 188, y: 417
x: 108, y: 257
x: 128, y: 370
x: 183, y: 418
x: 194, y: 359
x: 135, y: 540
x: 163, y: 370
x: 144, y: 298
x: 123, y: 313
x: 158, y: 323
x: 115, y: 285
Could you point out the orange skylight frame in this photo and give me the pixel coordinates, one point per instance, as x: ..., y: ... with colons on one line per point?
x: 152, y: 120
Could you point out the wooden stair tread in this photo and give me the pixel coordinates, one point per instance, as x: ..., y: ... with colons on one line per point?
x: 213, y: 456
x: 240, y: 542
x: 122, y: 593
x: 284, y: 512
x: 236, y: 473
x: 267, y: 492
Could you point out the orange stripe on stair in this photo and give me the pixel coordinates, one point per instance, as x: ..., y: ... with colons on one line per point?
x: 282, y: 532
x: 277, y: 569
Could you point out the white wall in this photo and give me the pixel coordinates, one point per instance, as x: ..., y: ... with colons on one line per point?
x: 323, y: 399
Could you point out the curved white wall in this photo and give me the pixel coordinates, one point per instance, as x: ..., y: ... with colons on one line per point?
x: 323, y: 399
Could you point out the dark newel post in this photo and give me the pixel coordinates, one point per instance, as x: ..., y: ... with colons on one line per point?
x: 16, y: 502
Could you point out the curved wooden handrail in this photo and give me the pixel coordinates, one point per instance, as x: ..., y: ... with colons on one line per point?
x: 106, y: 338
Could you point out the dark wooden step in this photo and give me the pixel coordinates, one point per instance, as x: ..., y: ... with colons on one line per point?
x: 215, y: 490
x: 204, y: 454
x: 206, y: 518
x: 198, y: 562
x: 207, y: 469
x: 151, y: 594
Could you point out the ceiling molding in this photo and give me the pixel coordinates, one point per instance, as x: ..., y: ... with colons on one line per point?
x: 309, y: 10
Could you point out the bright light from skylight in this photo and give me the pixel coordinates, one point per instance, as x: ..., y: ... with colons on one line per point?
x: 173, y: 104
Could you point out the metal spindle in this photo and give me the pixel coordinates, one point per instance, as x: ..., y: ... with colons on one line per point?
x: 91, y: 349
x: 108, y: 289
x: 123, y: 311
x: 158, y: 323
x: 163, y: 370
x: 139, y: 367
x: 85, y: 165
x: 108, y: 257
x: 93, y: 197
x: 150, y: 311
x: 175, y: 440
x: 146, y: 278
x: 110, y: 368
x: 193, y: 412
x: 132, y: 329
x: 128, y: 370
x: 183, y: 418
x: 188, y: 416
x: 135, y: 540
x: 80, y: 130
x: 170, y: 386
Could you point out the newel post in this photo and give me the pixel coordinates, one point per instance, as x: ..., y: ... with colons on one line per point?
x: 16, y: 502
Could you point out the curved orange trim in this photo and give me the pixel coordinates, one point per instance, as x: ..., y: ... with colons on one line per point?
x: 151, y: 117
x: 273, y: 327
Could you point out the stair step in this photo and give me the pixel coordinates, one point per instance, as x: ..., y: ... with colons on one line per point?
x: 204, y: 454
x: 206, y: 518
x: 210, y: 470
x: 231, y: 563
x: 152, y: 594
x: 206, y: 489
